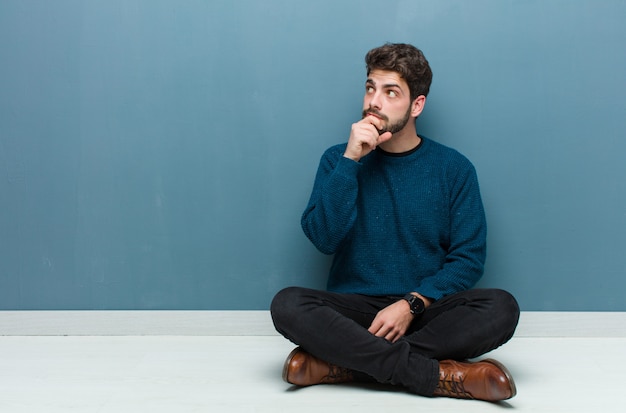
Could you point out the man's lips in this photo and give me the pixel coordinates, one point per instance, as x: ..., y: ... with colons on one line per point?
x: 375, y: 114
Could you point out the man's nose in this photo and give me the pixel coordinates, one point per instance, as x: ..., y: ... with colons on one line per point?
x: 376, y: 101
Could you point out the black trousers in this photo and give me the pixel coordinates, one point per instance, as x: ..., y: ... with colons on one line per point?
x: 333, y: 327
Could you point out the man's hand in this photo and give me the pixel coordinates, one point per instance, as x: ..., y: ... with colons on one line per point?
x: 364, y: 137
x: 392, y: 322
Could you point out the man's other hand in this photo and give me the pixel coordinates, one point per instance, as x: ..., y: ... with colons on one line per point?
x: 392, y: 322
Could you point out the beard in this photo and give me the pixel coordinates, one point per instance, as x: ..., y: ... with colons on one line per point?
x: 394, y: 127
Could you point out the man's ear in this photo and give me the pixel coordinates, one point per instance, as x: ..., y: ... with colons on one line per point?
x: 417, y: 106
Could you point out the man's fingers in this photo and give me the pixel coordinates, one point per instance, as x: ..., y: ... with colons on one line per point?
x: 381, y: 332
x: 384, y: 137
x: 379, y: 329
x: 366, y: 133
x: 374, y: 327
x: 392, y: 337
x: 373, y: 120
x: 388, y: 332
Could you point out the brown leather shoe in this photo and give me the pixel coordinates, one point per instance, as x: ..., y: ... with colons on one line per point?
x: 483, y: 380
x: 303, y: 369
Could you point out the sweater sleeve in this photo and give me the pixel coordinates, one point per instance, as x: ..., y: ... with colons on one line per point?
x: 466, y: 253
x: 331, y: 211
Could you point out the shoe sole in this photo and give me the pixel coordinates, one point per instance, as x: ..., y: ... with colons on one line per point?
x: 288, y: 362
x: 506, y: 372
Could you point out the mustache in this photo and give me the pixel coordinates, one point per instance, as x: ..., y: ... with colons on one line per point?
x: 375, y: 112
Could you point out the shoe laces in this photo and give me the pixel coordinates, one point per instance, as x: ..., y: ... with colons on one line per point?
x: 337, y: 374
x: 450, y: 385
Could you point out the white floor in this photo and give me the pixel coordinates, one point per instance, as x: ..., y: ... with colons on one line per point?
x: 243, y: 374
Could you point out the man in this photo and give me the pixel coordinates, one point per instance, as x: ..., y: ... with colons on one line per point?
x: 404, y: 219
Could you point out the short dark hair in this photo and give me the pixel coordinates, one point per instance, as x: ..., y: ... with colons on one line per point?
x: 405, y: 59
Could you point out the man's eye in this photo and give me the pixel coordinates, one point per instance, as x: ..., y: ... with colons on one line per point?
x: 369, y: 89
x: 392, y: 93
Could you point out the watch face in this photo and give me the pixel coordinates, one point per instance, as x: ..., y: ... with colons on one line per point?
x: 416, y: 304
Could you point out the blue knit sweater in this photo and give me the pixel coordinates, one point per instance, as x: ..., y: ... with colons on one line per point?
x: 398, y: 223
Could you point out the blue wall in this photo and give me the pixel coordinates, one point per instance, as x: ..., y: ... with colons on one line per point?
x: 158, y: 154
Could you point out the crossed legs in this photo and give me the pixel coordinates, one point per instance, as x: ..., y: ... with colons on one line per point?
x: 333, y: 327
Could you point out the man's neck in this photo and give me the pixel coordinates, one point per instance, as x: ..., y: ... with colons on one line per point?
x: 402, y: 141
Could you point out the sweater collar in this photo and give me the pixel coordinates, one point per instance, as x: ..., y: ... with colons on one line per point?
x: 401, y: 154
